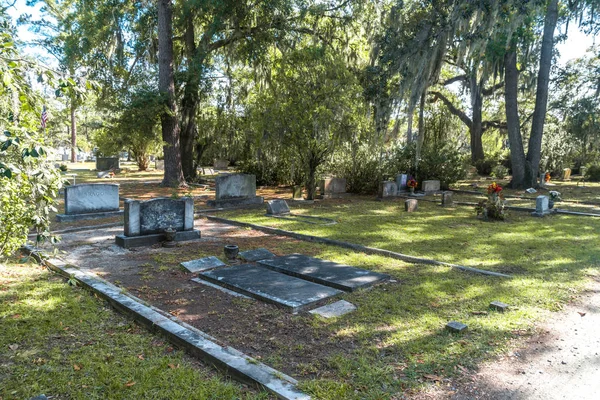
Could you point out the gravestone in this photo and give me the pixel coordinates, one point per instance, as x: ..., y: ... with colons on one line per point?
x: 203, y: 264
x: 333, y: 188
x: 430, y: 186
x: 456, y: 327
x: 221, y: 164
x: 387, y: 189
x: 566, y: 174
x: 90, y: 201
x: 107, y: 163
x: 541, y: 206
x: 499, y: 306
x: 146, y: 221
x: 256, y: 255
x: 411, y: 205
x: 447, y: 199
x: 336, y: 309
x: 401, y: 180
x: 277, y: 207
x: 235, y: 190
x: 159, y: 165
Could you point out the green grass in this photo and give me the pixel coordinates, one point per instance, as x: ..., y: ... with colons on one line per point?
x: 62, y: 341
x: 398, y: 327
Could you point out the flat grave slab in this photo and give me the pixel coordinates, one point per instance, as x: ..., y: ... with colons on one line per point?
x: 256, y: 255
x: 325, y: 272
x: 336, y: 309
x: 203, y: 264
x: 270, y: 286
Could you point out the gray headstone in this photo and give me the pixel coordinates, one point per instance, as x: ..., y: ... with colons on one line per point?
x: 336, y: 309
x: 107, y: 163
x: 333, y: 186
x: 499, y: 306
x: 156, y: 215
x: 401, y: 180
x: 235, y: 186
x: 430, y: 186
x: 277, y: 207
x: 91, y: 198
x: 387, y: 189
x: 447, y: 199
x: 221, y: 164
x: 160, y: 165
x: 454, y: 326
x: 541, y: 206
x: 203, y: 264
x: 132, y: 218
x: 411, y: 205
x: 256, y: 255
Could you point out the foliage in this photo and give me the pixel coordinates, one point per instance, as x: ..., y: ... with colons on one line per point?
x: 63, y: 167
x: 485, y: 167
x: 500, y: 171
x: 593, y: 173
x: 494, y: 208
x: 359, y: 165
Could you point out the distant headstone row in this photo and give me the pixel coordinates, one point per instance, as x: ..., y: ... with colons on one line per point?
x: 398, y: 187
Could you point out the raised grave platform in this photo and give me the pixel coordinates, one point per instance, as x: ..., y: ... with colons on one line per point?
x: 256, y: 255
x: 270, y: 286
x: 202, y: 264
x: 324, y: 272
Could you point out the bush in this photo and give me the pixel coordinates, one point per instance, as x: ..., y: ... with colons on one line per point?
x: 500, y: 171
x: 272, y: 172
x: 484, y: 167
x: 593, y: 173
x: 362, y: 170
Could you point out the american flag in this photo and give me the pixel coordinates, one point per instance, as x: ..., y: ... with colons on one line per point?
x: 44, y: 117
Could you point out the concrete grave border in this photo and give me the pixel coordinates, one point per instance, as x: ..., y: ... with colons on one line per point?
x: 199, y: 344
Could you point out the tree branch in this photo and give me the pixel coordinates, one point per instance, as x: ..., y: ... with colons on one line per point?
x: 457, y: 78
x: 459, y: 113
x: 491, y: 90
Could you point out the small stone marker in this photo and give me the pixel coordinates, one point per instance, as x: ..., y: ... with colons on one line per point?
x: 566, y: 174
x: 541, y: 206
x: 387, y: 189
x: 203, y: 264
x: 410, y: 205
x: 430, y: 186
x: 401, y: 180
x: 159, y: 165
x: 498, y: 306
x: 256, y: 255
x: 336, y: 309
x: 456, y: 327
x: 333, y: 187
x: 531, y: 190
x: 447, y: 199
x: 277, y: 207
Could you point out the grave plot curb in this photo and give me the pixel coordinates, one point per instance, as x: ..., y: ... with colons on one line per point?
x: 353, y: 246
x: 199, y: 344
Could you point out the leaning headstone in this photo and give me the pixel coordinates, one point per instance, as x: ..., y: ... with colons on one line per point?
x: 447, y: 199
x: 401, y: 180
x: 499, y: 306
x: 107, y: 163
x: 387, y: 189
x: 333, y: 188
x: 410, y: 205
x: 256, y: 255
x: 90, y: 201
x: 541, y: 206
x: 146, y: 221
x: 336, y: 309
x: 235, y: 190
x: 566, y: 174
x: 203, y: 264
x: 430, y: 186
x: 277, y: 207
x: 457, y: 327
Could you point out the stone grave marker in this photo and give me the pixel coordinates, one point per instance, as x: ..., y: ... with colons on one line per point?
x: 411, y: 205
x: 430, y: 186
x: 401, y: 180
x: 159, y: 165
x: 203, y: 264
x: 146, y: 221
x: 457, y: 327
x: 387, y: 189
x: 256, y: 255
x: 333, y: 188
x: 336, y: 309
x: 447, y: 199
x: 277, y: 207
x: 107, y: 163
x: 221, y: 164
x: 541, y: 206
x: 499, y: 306
x: 235, y: 190
x: 566, y: 174
x: 90, y: 201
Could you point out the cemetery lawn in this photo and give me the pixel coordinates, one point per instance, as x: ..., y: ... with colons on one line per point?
x: 63, y: 342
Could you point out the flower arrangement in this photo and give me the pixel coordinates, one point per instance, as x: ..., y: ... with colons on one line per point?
x: 411, y: 183
x: 547, y: 177
x: 494, y: 208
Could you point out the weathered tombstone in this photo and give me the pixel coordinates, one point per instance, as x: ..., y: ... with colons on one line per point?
x: 430, y: 186
x: 499, y: 306
x: 411, y: 205
x: 447, y: 199
x: 107, y: 163
x: 457, y: 327
x: 159, y: 165
x: 566, y: 174
x: 401, y: 180
x: 387, y: 189
x: 90, y: 201
x: 234, y: 190
x: 297, y: 192
x: 202, y: 264
x: 146, y: 221
x: 256, y: 255
x: 333, y: 188
x: 221, y: 164
x: 541, y: 206
x: 336, y: 309
x: 277, y: 207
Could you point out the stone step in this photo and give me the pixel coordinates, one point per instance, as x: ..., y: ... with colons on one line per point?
x: 270, y: 286
x: 328, y: 273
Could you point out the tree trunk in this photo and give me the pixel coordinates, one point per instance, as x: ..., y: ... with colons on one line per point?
x: 534, y: 151
x: 421, y: 137
x: 73, y: 132
x: 476, y: 128
x: 409, y: 136
x: 517, y: 154
x: 189, y: 103
x: 166, y: 84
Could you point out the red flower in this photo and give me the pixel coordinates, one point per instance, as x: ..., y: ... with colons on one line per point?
x: 494, y: 188
x: 411, y: 183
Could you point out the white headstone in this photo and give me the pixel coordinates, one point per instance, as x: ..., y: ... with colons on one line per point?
x: 541, y: 206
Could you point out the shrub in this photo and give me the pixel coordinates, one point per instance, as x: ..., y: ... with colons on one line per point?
x: 484, y: 167
x: 593, y: 173
x: 500, y: 171
x: 361, y: 168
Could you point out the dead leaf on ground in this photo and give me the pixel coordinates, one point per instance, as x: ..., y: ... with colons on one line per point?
x: 77, y: 367
x: 130, y: 383
x: 173, y: 366
x: 432, y: 377
x: 13, y: 347
x: 581, y: 313
x: 463, y: 369
x: 141, y: 356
